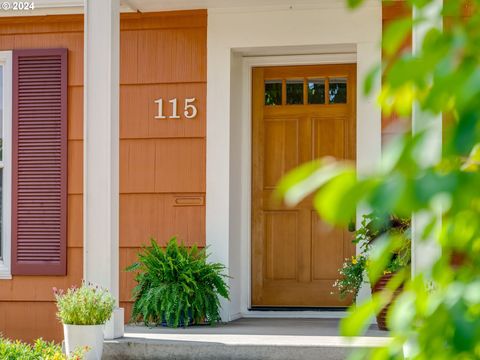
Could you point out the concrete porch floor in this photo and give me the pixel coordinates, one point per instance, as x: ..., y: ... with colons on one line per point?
x: 243, y: 339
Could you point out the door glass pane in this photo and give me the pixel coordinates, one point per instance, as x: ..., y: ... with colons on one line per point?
x: 273, y: 92
x: 316, y: 91
x: 337, y: 90
x: 294, y: 92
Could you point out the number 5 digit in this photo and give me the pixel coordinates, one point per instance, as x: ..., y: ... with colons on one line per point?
x: 189, y: 106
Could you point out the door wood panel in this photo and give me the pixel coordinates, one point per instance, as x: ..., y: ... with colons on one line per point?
x: 281, y: 246
x: 295, y: 255
x: 281, y: 149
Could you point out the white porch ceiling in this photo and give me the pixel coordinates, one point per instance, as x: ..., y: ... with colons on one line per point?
x: 51, y: 7
x: 158, y: 5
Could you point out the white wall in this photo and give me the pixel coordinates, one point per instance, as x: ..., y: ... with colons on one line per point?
x: 234, y: 36
x: 236, y: 185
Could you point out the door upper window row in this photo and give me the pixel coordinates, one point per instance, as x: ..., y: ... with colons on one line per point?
x: 312, y: 91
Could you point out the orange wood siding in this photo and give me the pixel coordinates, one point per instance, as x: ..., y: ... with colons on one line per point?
x: 162, y: 162
x: 27, y: 310
x: 392, y: 124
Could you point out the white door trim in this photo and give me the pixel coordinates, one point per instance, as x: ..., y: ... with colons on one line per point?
x: 276, y: 37
x: 246, y: 166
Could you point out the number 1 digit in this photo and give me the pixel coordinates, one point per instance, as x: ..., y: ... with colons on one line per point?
x: 174, y: 109
x: 160, y: 109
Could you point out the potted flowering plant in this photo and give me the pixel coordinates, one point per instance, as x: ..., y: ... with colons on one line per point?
x: 351, y: 276
x: 83, y: 312
x: 354, y: 271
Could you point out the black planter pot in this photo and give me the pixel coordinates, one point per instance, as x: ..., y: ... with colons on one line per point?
x: 182, y: 321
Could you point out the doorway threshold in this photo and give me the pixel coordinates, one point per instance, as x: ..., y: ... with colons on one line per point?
x: 294, y: 314
x: 299, y: 308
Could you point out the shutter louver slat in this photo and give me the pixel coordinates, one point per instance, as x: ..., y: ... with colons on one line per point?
x: 39, y: 198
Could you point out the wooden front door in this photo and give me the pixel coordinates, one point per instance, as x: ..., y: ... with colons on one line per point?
x: 299, y: 113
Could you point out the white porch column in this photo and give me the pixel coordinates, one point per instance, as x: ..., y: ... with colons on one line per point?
x: 424, y: 253
x: 101, y: 154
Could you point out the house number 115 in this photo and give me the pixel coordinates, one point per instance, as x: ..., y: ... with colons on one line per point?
x: 189, y: 109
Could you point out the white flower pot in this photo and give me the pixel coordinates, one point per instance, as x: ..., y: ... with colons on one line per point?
x: 80, y: 336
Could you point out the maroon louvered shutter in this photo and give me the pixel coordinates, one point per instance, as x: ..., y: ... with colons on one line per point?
x: 39, y: 180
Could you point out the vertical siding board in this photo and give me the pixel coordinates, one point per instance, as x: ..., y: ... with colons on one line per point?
x: 39, y: 180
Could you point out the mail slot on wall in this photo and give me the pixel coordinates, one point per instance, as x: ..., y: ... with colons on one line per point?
x: 189, y: 200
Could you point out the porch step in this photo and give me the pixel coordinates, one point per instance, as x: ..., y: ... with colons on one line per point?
x: 244, y: 339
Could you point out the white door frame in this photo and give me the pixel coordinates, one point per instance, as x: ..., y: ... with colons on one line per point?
x: 247, y: 64
x: 368, y: 152
x: 236, y: 42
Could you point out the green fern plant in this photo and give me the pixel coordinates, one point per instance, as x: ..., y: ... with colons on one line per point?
x: 177, y: 286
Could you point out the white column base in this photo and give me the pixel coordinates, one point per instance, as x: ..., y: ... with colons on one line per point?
x: 114, y: 328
